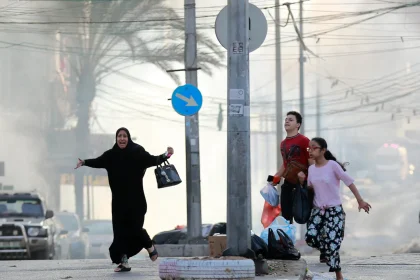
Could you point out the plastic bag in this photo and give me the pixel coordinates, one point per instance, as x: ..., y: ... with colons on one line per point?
x: 269, y: 214
x: 270, y: 194
x: 281, y: 248
x: 258, y: 246
x: 275, y: 248
x: 283, y: 224
x: 302, y: 205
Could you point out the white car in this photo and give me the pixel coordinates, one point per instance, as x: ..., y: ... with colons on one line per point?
x: 27, y: 229
x: 79, y: 239
x: 100, y: 237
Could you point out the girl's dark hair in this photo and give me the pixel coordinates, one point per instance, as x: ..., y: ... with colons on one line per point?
x: 328, y: 155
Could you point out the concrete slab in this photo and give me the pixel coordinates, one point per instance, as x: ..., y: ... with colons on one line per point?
x: 182, y: 250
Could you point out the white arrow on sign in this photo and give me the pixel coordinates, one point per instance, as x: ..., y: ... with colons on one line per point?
x: 190, y: 101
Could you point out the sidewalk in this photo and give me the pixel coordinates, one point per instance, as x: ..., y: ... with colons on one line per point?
x: 386, y: 267
x: 285, y: 270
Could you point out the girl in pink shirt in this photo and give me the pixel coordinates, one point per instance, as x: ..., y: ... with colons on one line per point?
x: 325, y: 228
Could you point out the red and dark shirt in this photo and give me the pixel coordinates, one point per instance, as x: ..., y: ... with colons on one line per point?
x: 295, y: 148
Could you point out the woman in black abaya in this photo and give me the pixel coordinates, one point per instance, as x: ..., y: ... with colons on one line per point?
x: 126, y: 164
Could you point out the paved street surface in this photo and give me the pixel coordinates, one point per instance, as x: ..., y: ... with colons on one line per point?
x: 75, y: 269
x: 103, y: 270
x: 389, y: 267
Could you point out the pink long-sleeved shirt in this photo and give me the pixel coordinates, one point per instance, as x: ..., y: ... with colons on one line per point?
x: 326, y: 183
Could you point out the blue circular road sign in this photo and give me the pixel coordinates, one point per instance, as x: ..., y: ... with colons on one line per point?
x: 187, y: 100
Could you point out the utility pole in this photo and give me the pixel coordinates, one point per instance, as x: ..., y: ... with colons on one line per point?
x: 238, y: 132
x: 268, y: 150
x: 318, y: 101
x: 82, y: 130
x: 279, y: 101
x: 88, y: 182
x: 302, y: 90
x: 93, y: 201
x: 192, y: 147
x: 302, y: 73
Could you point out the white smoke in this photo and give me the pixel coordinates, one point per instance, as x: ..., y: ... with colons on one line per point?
x: 22, y: 148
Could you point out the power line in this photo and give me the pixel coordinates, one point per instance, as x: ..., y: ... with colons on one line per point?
x: 87, y: 21
x: 385, y: 99
x: 381, y: 81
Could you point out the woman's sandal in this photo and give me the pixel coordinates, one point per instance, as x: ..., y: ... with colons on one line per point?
x: 122, y: 268
x: 153, y: 253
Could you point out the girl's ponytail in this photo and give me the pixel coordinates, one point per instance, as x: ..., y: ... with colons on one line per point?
x: 328, y: 155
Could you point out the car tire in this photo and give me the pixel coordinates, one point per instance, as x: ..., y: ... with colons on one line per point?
x: 78, y: 251
x: 167, y: 269
x: 77, y: 256
x: 206, y: 269
x: 41, y: 255
x: 57, y: 253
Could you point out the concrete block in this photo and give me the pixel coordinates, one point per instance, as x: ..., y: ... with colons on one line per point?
x: 182, y: 250
x: 196, y: 250
x: 169, y: 250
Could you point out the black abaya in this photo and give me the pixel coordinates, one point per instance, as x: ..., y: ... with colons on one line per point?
x: 126, y: 168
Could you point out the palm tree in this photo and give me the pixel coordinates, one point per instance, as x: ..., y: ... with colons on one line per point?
x: 112, y: 35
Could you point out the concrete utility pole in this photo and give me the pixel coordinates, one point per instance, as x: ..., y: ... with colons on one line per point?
x: 82, y: 131
x: 279, y: 101
x: 192, y: 147
x: 238, y: 132
x: 302, y: 60
x: 302, y: 73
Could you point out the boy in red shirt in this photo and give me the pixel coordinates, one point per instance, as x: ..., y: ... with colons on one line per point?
x: 294, y: 150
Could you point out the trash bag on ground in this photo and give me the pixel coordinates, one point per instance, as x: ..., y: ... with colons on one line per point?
x: 292, y: 252
x: 283, y: 224
x: 281, y: 248
x: 269, y: 214
x: 169, y: 237
x: 258, y: 246
x: 302, y: 205
x: 270, y: 194
x: 218, y: 228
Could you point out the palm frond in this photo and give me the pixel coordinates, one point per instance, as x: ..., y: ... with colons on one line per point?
x: 131, y: 32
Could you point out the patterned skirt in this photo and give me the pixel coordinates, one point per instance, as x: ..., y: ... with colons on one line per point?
x: 325, y: 232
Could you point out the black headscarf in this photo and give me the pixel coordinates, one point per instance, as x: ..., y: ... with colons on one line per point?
x: 130, y: 143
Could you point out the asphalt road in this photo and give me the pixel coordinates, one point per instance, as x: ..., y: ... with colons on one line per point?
x: 103, y: 270
x: 389, y: 267
x: 75, y: 269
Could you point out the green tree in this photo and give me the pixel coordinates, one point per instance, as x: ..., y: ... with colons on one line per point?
x: 114, y: 34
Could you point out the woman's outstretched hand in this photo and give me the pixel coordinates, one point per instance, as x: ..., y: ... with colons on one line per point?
x: 364, y: 205
x: 80, y: 163
x: 170, y: 151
